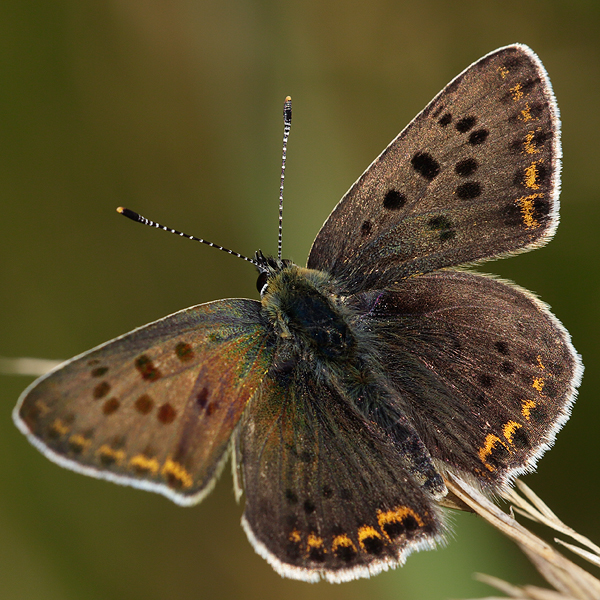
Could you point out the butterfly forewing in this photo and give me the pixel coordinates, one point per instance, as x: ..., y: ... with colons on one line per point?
x: 327, y: 494
x: 474, y: 176
x: 486, y: 372
x: 156, y: 407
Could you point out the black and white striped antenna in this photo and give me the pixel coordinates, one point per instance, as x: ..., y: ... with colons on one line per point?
x: 130, y: 214
x: 287, y: 121
x: 287, y: 124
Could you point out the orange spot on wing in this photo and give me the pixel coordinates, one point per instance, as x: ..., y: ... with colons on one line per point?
x: 176, y: 473
x: 314, y: 541
x: 397, y: 515
x: 59, y: 428
x: 531, y: 176
x: 529, y: 145
x: 294, y: 536
x: 526, y: 408
x: 42, y: 407
x: 79, y: 443
x: 525, y: 203
x: 488, y: 447
x: 526, y: 114
x: 509, y: 430
x: 538, y: 383
x: 108, y: 455
x: 503, y: 71
x: 517, y: 92
x: 342, y: 541
x: 142, y: 463
x: 366, y: 532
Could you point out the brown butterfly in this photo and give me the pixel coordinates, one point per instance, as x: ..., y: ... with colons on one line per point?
x: 347, y: 392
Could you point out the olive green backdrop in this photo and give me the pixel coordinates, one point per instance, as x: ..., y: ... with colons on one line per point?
x: 173, y: 109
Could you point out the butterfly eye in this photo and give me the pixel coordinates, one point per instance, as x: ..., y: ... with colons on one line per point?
x: 261, y: 282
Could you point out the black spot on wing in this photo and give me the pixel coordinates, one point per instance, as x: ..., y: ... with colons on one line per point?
x: 469, y: 190
x: 479, y: 136
x: 466, y: 167
x: 445, y: 120
x: 393, y: 200
x: 465, y: 124
x: 425, y: 165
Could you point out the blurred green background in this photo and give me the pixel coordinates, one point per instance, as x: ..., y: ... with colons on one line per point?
x: 174, y: 109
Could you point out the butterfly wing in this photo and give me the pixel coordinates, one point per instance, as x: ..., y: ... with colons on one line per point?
x: 327, y: 494
x: 486, y: 372
x: 475, y: 175
x: 154, y: 408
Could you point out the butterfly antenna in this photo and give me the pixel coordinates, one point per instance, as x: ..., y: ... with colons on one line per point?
x: 287, y: 124
x: 130, y: 214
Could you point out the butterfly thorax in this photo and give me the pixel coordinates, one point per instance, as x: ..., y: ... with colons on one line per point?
x: 305, y: 311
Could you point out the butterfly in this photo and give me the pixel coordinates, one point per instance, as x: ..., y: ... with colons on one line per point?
x: 357, y: 383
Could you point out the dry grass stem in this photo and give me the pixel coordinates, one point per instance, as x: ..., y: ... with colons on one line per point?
x: 570, y: 582
x: 538, y: 511
x: 34, y: 367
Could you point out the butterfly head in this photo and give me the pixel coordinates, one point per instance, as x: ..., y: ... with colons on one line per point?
x: 268, y: 267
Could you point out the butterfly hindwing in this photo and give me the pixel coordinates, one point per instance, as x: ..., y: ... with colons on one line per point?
x: 485, y: 371
x: 475, y: 175
x: 154, y: 408
x: 327, y: 493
